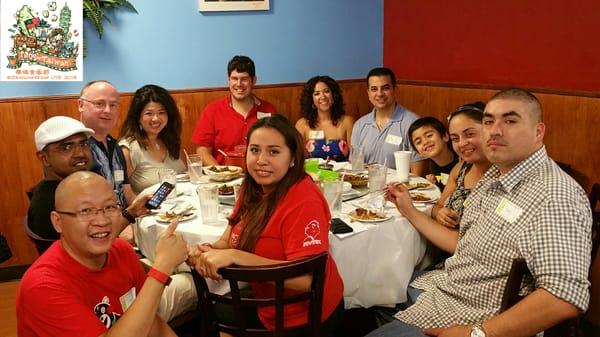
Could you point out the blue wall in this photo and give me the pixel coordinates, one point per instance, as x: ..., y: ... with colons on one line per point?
x: 172, y: 44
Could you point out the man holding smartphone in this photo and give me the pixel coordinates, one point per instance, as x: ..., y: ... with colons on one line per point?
x: 91, y: 279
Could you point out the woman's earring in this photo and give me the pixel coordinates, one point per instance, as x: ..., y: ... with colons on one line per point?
x: 140, y: 127
x: 292, y: 164
x: 314, y: 107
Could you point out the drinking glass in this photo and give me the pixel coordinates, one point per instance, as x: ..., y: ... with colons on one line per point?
x: 168, y: 175
x: 208, y: 196
x: 377, y: 176
x: 357, y: 159
x: 332, y: 190
x: 195, y: 168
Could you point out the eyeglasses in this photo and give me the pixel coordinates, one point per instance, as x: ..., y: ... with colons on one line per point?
x: 87, y: 214
x: 101, y: 105
x: 464, y: 108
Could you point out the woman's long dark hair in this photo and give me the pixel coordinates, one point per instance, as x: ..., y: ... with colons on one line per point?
x: 254, y: 208
x: 170, y: 134
x: 309, y: 111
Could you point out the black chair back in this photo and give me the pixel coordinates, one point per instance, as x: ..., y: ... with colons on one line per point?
x: 276, y: 274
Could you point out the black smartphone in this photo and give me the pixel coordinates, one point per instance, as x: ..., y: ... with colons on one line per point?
x: 160, y: 195
x: 338, y: 226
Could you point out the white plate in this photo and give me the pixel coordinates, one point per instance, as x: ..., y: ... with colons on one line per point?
x: 431, y: 199
x: 352, y: 216
x: 163, y: 220
x: 182, y: 177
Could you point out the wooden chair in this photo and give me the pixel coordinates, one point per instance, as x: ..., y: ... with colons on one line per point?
x: 590, y: 323
x: 41, y: 244
x: 519, y: 273
x: 276, y: 274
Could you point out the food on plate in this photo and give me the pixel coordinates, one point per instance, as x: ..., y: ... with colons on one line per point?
x: 415, y: 186
x: 168, y: 216
x: 365, y: 214
x: 225, y: 190
x: 223, y: 173
x: 356, y: 180
x: 419, y: 197
x: 221, y: 169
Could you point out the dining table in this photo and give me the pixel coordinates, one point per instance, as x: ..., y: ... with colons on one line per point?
x: 375, y: 260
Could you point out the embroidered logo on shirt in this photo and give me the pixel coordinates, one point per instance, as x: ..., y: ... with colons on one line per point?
x: 312, y: 230
x: 106, y: 317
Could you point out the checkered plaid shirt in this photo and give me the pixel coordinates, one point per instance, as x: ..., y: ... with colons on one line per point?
x: 552, y: 234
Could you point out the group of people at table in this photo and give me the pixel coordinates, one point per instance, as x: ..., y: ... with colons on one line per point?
x: 503, y: 198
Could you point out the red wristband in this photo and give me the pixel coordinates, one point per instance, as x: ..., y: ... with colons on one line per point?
x: 159, y: 276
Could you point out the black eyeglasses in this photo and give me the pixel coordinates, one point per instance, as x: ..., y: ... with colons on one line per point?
x: 464, y: 108
x: 87, y: 214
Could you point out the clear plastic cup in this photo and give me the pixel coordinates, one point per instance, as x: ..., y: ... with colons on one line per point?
x: 357, y: 159
x: 332, y: 190
x: 208, y: 196
x: 195, y: 168
x: 377, y: 177
x: 168, y: 175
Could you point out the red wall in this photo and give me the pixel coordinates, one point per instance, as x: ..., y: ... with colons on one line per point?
x: 530, y: 43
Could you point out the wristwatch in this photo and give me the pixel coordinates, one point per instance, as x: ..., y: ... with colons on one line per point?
x: 477, y: 330
x: 128, y: 216
x: 159, y: 276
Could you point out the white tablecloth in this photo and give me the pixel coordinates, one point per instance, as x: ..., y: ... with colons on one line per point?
x: 376, y: 261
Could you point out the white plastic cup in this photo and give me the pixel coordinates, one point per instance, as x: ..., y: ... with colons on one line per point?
x: 402, y: 159
x: 208, y: 196
x: 169, y: 175
x: 194, y: 162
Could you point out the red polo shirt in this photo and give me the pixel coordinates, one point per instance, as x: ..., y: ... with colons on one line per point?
x: 221, y: 127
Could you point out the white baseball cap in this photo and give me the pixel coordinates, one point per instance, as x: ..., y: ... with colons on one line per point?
x: 57, y: 128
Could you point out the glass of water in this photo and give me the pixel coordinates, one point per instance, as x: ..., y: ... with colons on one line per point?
x: 208, y: 196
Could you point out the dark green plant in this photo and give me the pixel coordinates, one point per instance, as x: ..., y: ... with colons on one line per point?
x: 96, y: 12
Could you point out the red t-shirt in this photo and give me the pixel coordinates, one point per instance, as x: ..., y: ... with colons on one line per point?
x: 221, y: 127
x: 298, y: 228
x: 58, y: 296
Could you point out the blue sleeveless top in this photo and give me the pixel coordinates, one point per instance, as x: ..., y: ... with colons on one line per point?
x: 335, y: 149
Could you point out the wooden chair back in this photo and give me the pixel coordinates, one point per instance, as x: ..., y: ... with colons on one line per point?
x: 275, y: 274
x: 41, y: 244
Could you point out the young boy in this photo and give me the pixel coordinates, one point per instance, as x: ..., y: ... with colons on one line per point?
x: 430, y: 138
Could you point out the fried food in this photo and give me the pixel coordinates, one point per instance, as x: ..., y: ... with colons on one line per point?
x: 419, y: 197
x: 221, y: 169
x: 225, y: 190
x: 168, y: 216
x: 365, y: 214
x: 356, y: 180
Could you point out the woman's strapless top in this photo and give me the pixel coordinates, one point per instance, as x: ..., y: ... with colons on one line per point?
x: 335, y: 149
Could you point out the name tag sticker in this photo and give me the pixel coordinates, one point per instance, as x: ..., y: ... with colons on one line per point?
x: 394, y: 140
x: 127, y: 299
x: 261, y: 114
x: 508, y: 211
x: 119, y: 175
x: 316, y: 134
x: 444, y: 178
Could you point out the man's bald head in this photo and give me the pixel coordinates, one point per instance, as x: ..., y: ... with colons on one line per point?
x: 78, y: 184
